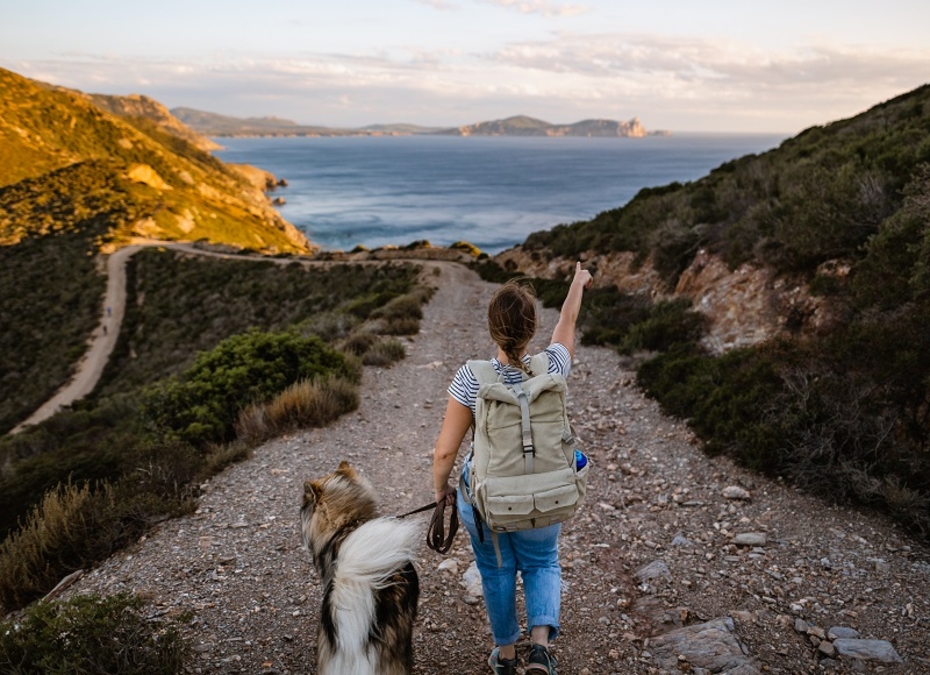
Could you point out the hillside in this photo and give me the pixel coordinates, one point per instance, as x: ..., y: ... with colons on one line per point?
x: 214, y: 124
x: 76, y: 181
x: 522, y: 125
x: 659, y: 573
x: 58, y: 148
x: 780, y: 304
x: 138, y: 106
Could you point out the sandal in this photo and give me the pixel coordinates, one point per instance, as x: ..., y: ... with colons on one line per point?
x: 500, y: 665
x: 541, y: 662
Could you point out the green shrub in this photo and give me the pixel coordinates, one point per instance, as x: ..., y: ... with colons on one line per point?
x: 202, y: 405
x: 668, y: 323
x: 181, y: 305
x: 843, y: 416
x: 721, y: 397
x: 92, y: 635
x: 490, y: 270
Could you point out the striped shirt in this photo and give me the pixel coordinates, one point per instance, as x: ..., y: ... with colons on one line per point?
x: 464, y: 387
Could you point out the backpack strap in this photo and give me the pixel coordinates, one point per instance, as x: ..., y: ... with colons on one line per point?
x: 483, y: 371
x: 529, y: 451
x: 539, y: 364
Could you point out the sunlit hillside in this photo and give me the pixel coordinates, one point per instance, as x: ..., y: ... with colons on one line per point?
x: 58, y: 149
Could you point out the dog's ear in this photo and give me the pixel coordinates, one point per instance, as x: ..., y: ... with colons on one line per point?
x: 312, y: 492
x: 347, y: 470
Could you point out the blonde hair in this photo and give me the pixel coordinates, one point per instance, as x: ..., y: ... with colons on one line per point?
x: 512, y: 320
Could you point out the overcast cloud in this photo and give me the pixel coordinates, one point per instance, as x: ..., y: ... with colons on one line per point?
x: 451, y: 62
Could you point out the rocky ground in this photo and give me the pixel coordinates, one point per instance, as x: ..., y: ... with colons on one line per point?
x: 677, y: 563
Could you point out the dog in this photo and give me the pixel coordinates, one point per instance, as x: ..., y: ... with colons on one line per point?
x: 370, y: 586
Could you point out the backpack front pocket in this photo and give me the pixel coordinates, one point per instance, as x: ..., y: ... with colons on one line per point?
x: 562, y: 497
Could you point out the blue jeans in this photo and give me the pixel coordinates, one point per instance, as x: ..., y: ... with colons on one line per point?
x: 532, y: 553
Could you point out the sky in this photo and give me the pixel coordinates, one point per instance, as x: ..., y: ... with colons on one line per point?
x: 679, y: 65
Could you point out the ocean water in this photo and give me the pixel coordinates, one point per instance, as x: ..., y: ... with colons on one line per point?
x: 490, y: 191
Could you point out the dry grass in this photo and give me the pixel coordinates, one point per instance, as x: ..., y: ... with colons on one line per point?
x: 59, y: 523
x: 400, y: 326
x: 384, y: 352
x: 359, y: 343
x: 304, y: 404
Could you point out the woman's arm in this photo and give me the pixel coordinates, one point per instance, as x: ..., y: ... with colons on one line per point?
x: 564, y: 332
x: 454, y: 427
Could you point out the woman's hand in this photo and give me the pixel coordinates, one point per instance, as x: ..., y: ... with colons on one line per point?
x: 447, y: 493
x: 582, y: 277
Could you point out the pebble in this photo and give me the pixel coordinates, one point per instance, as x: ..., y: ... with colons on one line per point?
x: 762, y: 563
x: 750, y: 539
x: 867, y: 650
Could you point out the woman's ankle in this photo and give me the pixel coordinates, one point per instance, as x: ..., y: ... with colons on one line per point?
x: 539, y: 635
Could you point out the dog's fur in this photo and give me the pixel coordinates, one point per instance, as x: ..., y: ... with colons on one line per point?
x: 370, y: 587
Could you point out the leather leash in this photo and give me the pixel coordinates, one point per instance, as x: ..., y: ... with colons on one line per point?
x: 436, y: 537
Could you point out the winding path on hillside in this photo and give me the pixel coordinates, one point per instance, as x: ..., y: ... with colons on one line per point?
x: 102, y: 341
x: 666, y: 559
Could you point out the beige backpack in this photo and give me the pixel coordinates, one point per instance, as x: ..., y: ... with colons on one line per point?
x: 523, y: 473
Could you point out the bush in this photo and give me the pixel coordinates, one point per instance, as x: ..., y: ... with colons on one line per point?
x: 667, y: 324
x: 358, y: 343
x: 403, y: 307
x: 75, y: 528
x: 722, y: 399
x: 385, y: 352
x: 304, y: 404
x: 202, y: 405
x: 469, y: 248
x: 399, y: 326
x: 93, y: 635
x: 179, y: 306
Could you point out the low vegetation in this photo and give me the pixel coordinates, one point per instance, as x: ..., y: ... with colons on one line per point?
x: 174, y: 409
x: 46, y: 281
x: 820, y: 196
x: 180, y: 304
x: 843, y: 413
x: 93, y: 635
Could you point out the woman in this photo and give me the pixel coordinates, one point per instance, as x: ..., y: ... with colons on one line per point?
x: 533, y: 553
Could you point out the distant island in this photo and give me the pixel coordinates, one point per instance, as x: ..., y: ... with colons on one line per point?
x: 521, y: 125
x: 213, y: 124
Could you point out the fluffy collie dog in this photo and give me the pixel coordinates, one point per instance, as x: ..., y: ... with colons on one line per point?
x: 370, y: 587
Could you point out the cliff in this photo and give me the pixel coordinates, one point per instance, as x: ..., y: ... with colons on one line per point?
x: 66, y: 163
x: 745, y: 306
x: 138, y: 106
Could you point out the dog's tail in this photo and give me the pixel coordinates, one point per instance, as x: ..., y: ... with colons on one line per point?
x: 367, y: 560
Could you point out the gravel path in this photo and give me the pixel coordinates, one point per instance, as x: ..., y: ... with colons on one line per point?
x: 656, y: 548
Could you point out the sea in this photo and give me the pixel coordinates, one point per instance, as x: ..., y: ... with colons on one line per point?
x: 489, y: 191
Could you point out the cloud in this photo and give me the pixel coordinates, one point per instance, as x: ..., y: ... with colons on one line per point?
x: 694, y: 63
x: 438, y: 4
x: 543, y: 7
x: 668, y: 82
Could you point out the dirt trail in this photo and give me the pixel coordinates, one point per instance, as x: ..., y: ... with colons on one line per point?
x: 101, y: 342
x: 653, y: 498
